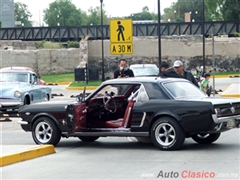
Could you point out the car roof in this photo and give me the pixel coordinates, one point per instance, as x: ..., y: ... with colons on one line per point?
x: 17, y: 69
x: 133, y: 80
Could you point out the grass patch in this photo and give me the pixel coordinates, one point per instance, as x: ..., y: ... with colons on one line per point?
x: 69, y: 77
x: 65, y: 77
x: 226, y: 73
x: 82, y: 84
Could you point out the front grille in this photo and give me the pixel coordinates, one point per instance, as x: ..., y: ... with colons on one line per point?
x: 229, y: 109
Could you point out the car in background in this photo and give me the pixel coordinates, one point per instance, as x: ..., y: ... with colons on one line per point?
x: 21, y: 86
x: 162, y: 110
x: 144, y: 69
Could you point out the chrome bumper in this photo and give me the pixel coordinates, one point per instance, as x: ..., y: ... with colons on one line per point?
x: 219, y: 120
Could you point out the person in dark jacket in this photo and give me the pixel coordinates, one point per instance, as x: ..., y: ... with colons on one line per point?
x: 123, y: 71
x: 178, y: 66
x: 166, y: 71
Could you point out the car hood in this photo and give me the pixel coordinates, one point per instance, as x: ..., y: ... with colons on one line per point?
x: 7, y: 88
x: 47, y: 106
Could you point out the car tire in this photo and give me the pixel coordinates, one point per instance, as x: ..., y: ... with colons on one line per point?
x: 167, y: 134
x: 206, y: 138
x: 45, y: 131
x: 88, y: 138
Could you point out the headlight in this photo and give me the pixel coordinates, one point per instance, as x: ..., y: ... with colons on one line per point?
x: 218, y: 112
x: 17, y: 94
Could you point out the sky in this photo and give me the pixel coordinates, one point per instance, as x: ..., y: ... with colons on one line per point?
x: 114, y: 8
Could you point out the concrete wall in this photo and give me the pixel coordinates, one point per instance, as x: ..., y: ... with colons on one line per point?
x: 145, y: 50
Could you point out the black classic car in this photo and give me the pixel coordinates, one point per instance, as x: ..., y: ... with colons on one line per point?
x: 164, y: 110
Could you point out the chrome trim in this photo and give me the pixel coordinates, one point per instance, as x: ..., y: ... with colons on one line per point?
x: 114, y: 133
x: 143, y: 119
x: 22, y: 122
x: 224, y: 119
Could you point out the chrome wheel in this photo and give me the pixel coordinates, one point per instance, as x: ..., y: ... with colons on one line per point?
x: 165, y: 134
x: 43, y: 132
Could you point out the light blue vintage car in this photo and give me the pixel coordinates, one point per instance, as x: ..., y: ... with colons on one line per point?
x: 21, y: 86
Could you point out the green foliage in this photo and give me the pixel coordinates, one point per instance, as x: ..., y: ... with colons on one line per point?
x: 176, y: 12
x: 22, y: 14
x: 94, y: 17
x: 82, y: 84
x: 0, y: 24
x: 38, y: 45
x: 51, y: 45
x: 73, y: 44
x: 65, y: 77
x: 223, y: 10
x: 64, y: 13
x: 47, y: 45
x: 236, y: 34
x: 144, y: 15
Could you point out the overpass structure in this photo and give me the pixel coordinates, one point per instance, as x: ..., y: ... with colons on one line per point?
x: 76, y: 33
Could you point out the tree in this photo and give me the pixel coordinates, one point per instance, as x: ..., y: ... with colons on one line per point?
x: 64, y: 13
x: 222, y: 10
x: 176, y: 12
x: 94, y: 17
x: 21, y: 13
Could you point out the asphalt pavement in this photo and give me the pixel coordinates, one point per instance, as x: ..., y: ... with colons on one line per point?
x: 11, y: 153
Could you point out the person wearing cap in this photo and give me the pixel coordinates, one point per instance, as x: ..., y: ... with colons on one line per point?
x: 167, y: 71
x: 178, y: 66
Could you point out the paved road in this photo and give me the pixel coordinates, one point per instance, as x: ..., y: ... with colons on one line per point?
x: 124, y: 158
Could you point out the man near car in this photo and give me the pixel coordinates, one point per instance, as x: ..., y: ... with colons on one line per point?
x: 123, y: 71
x: 167, y: 71
x: 178, y: 66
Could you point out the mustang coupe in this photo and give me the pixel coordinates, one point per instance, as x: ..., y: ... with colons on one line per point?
x: 163, y: 110
x: 21, y: 86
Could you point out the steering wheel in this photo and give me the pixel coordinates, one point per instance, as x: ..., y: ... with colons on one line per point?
x: 107, y: 98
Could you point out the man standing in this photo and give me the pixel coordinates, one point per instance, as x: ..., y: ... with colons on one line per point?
x: 123, y: 71
x: 167, y: 71
x: 178, y: 66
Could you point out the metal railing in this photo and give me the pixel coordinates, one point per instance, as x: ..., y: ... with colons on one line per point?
x: 76, y: 33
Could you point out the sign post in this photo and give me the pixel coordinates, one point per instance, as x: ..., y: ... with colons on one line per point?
x: 121, y: 36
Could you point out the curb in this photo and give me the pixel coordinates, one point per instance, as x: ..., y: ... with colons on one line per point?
x: 82, y: 88
x: 226, y: 94
x: 23, y: 155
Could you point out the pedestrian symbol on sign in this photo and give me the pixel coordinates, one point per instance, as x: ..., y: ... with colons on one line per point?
x: 120, y: 31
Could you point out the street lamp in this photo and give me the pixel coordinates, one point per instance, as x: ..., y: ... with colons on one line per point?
x: 159, y: 36
x: 175, y: 15
x: 203, y: 32
x: 103, y: 77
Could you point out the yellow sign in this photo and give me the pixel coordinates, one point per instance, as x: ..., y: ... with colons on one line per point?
x: 121, y: 31
x: 121, y: 48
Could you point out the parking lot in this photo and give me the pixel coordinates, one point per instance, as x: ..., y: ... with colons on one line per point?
x: 122, y: 157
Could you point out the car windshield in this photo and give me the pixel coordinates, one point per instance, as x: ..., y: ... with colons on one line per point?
x: 145, y: 70
x: 13, y: 76
x: 183, y: 90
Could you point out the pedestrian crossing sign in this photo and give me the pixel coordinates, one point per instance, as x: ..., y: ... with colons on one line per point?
x: 121, y: 31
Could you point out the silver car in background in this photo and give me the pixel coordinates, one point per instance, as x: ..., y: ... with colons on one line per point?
x: 144, y: 69
x: 21, y: 86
